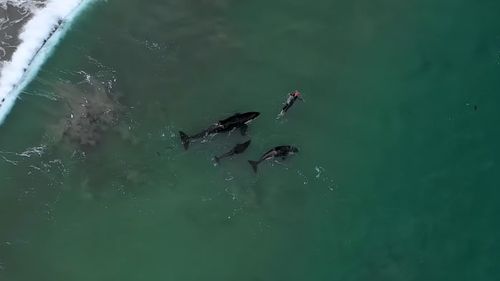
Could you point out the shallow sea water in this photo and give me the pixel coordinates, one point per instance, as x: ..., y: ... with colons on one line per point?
x: 398, y: 145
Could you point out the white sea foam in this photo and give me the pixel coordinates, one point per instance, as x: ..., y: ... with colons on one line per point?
x: 27, y: 5
x: 39, y: 37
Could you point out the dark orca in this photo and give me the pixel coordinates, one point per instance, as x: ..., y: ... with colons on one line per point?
x: 236, y: 121
x: 281, y: 151
x: 237, y: 149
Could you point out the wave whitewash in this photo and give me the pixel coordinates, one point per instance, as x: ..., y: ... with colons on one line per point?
x: 39, y: 25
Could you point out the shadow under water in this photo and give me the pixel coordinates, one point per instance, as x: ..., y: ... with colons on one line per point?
x: 92, y: 110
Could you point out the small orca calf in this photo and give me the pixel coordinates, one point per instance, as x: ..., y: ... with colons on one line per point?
x: 237, y: 149
x: 236, y: 121
x: 279, y: 151
x: 292, y: 97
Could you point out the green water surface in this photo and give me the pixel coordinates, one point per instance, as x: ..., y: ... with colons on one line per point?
x: 398, y: 138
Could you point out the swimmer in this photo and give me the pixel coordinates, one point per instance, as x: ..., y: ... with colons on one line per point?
x: 292, y: 97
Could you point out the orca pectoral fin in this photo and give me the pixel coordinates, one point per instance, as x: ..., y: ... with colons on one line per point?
x: 254, y: 165
x: 243, y: 129
x: 185, y: 139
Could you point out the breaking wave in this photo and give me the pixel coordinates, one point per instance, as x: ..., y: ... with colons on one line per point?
x: 50, y: 20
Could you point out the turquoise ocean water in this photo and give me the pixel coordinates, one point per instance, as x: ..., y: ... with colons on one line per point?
x: 398, y: 139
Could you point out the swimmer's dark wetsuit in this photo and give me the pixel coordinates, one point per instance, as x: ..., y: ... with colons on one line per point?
x: 292, y: 97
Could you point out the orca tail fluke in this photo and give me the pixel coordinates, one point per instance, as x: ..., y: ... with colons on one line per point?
x: 184, y: 139
x: 217, y: 159
x: 254, y: 165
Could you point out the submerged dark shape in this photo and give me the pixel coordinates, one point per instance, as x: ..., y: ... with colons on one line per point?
x: 292, y: 97
x: 92, y: 112
x: 236, y: 121
x: 281, y: 151
x: 237, y: 149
